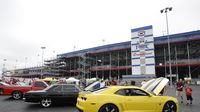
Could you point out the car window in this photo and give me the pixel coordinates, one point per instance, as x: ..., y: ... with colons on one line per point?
x: 58, y: 88
x: 131, y: 92
x: 49, y: 88
x: 39, y: 84
x: 69, y: 88
x: 138, y: 92
x: 121, y: 92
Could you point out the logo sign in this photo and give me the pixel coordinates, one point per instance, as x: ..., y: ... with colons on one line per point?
x: 142, y: 49
x: 141, y: 33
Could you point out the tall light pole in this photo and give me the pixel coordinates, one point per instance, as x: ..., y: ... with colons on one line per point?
x: 16, y: 64
x: 25, y: 61
x: 4, y: 66
x: 42, y: 68
x: 54, y: 53
x: 103, y: 40
x: 165, y: 10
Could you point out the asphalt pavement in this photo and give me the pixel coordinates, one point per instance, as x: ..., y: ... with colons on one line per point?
x: 195, y: 107
x: 7, y: 104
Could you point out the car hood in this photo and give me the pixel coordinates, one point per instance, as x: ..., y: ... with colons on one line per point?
x: 155, y: 86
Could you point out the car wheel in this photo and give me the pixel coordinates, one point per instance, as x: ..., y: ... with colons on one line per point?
x: 108, y: 108
x: 17, y: 95
x: 170, y: 106
x: 46, y: 102
x: 1, y: 91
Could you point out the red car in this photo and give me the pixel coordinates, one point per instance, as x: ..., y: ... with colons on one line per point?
x: 17, y: 91
x: 2, y: 85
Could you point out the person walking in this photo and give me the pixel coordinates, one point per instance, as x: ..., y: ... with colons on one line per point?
x: 179, y: 90
x: 143, y: 82
x: 53, y: 81
x: 188, y: 92
x: 102, y: 84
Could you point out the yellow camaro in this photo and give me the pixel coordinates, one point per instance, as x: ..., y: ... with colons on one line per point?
x: 129, y: 99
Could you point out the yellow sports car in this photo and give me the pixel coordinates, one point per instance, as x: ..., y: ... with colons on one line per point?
x: 129, y: 99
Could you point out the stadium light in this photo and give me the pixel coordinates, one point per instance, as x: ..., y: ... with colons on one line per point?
x: 165, y: 10
x: 42, y: 68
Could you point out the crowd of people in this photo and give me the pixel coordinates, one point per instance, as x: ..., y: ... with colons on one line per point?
x: 115, y: 82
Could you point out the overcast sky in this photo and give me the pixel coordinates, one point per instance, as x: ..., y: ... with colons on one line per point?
x: 59, y: 25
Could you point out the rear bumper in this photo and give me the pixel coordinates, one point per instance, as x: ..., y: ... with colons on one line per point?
x: 84, y: 106
x: 79, y: 110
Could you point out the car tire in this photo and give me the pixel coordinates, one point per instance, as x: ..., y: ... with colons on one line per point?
x: 109, y: 108
x: 46, y: 102
x: 1, y: 91
x: 169, y: 106
x: 17, y: 95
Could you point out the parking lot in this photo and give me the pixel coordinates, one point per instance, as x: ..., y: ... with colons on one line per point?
x: 195, y: 107
x: 7, y: 104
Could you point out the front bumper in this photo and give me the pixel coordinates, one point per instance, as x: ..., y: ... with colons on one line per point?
x: 33, y: 100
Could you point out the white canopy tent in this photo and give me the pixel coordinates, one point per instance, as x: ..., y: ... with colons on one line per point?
x: 72, y: 80
x: 89, y: 81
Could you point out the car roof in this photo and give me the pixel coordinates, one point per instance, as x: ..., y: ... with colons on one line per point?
x: 122, y: 87
x: 61, y: 85
x: 153, y: 86
x: 64, y: 84
x: 113, y: 89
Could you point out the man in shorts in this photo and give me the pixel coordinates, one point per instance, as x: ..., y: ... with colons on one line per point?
x: 179, y: 90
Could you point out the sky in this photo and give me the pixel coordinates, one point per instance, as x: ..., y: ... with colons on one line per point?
x: 68, y: 25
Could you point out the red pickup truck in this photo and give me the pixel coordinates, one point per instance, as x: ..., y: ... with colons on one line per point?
x: 17, y: 91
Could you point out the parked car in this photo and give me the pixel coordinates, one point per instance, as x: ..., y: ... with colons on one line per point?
x: 54, y: 93
x: 129, y: 98
x: 2, y: 85
x: 17, y: 91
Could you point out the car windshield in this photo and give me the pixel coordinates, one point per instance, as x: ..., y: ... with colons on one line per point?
x: 47, y: 88
x: 3, y: 83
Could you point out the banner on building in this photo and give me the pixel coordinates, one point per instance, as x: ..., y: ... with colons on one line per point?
x: 142, y: 51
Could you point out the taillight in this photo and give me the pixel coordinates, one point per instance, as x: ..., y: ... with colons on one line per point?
x: 84, y: 98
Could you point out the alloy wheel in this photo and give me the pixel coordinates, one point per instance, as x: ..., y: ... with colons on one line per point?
x: 109, y: 108
x: 169, y: 107
x: 17, y: 95
x: 46, y: 102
